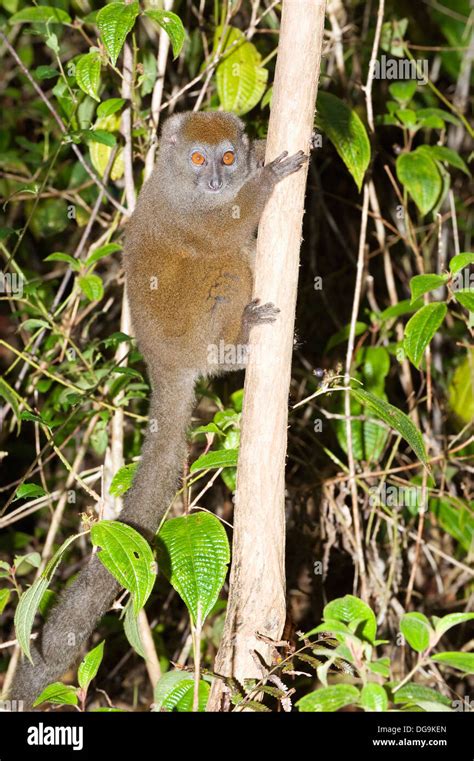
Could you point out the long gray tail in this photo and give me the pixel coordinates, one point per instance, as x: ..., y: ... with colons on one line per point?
x: 80, y: 606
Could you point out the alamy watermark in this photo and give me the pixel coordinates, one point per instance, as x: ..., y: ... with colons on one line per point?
x: 400, y: 68
x: 11, y: 283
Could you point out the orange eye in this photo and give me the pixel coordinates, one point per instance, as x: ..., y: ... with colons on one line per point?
x: 228, y: 158
x: 197, y: 158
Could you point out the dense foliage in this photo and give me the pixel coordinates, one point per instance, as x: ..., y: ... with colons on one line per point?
x: 379, y: 482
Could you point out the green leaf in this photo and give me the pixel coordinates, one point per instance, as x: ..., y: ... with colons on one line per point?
x: 461, y: 389
x: 343, y: 335
x: 328, y: 699
x: 219, y: 458
x: 350, y: 608
x: 92, y: 287
x: 421, y: 328
x: 442, y: 625
x: 40, y: 14
x: 25, y: 613
x: 46, y: 72
x: 441, y: 153
x: 460, y: 261
x: 29, y: 491
x: 240, y: 77
x: 132, y: 632
x: 345, y: 130
x: 128, y: 557
x: 88, y: 74
x: 417, y: 631
x: 445, y: 116
x: 58, y: 256
x: 115, y: 21
x: 33, y: 324
x: 123, y: 480
x: 453, y: 516
x: 391, y: 39
x: 173, y: 27
x: 31, y: 599
x: 413, y: 693
x: 397, y: 310
x: 175, y: 690
x: 193, y: 553
x: 421, y: 284
x: 420, y: 176
x: 4, y: 598
x: 185, y: 705
x: 110, y: 106
x: 403, y: 91
x: 90, y: 666
x: 395, y: 418
x: 31, y: 559
x: 100, y: 136
x: 373, y: 697
x: 460, y: 661
x: 59, y: 694
x: 102, y: 252
x: 465, y: 297
x: 11, y: 396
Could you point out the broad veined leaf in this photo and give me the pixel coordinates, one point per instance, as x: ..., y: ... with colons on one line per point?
x: 438, y: 113
x: 29, y: 491
x: 461, y: 661
x: 218, y: 458
x: 59, y: 256
x: 102, y: 252
x: 59, y: 694
x: 445, y: 623
x: 193, y: 553
x: 132, y: 632
x: 403, y: 91
x: 88, y: 74
x: 90, y: 665
x: 240, y: 77
x: 417, y: 631
x: 441, y: 153
x: 128, y: 557
x: 92, y: 287
x: 350, y: 608
x: 328, y: 699
x: 461, y: 389
x: 421, y: 328
x: 373, y: 697
x: 395, y: 418
x: 115, y: 21
x: 412, y: 693
x: 420, y: 176
x: 397, y: 310
x: 100, y: 152
x: 454, y: 516
x: 173, y: 27
x: 465, y: 297
x: 110, y: 106
x: 123, y: 480
x: 345, y: 130
x: 41, y: 14
x: 421, y: 284
x: 4, y: 598
x: 175, y: 690
x: 459, y: 261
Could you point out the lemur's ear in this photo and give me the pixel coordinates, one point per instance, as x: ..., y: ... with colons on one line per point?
x: 172, y: 126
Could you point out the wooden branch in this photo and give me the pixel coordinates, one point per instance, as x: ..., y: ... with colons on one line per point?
x: 257, y: 583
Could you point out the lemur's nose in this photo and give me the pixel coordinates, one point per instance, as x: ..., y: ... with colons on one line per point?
x: 215, y: 184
